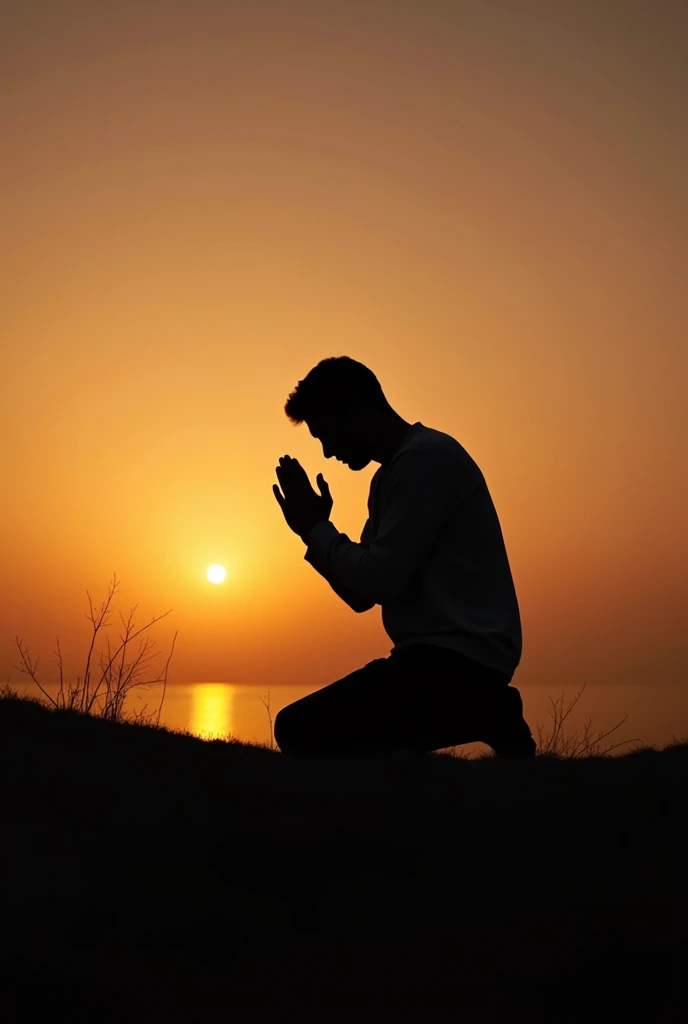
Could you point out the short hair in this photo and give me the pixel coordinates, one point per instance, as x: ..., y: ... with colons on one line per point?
x: 335, y: 385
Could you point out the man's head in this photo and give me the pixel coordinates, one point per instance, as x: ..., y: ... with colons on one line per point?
x: 344, y: 407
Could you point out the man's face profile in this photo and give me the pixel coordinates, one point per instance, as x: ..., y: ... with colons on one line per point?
x: 339, y: 438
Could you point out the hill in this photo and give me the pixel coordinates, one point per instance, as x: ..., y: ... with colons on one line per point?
x: 149, y: 875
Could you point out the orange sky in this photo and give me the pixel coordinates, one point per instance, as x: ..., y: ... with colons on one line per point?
x: 485, y: 203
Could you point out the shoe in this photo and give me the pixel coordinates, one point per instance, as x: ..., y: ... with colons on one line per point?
x: 527, y: 748
x: 509, y: 735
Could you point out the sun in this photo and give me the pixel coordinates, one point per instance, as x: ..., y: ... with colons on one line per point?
x: 216, y: 573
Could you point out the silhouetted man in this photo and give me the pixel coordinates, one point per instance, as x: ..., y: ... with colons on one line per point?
x: 432, y: 555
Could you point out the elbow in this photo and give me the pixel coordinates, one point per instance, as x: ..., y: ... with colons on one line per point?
x: 390, y: 590
x: 382, y: 584
x: 387, y: 595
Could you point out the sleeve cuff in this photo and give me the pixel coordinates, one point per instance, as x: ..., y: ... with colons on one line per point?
x: 319, y: 539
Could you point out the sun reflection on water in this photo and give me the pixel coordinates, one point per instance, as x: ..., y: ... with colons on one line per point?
x: 212, y: 710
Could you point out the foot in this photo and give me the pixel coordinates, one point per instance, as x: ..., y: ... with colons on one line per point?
x: 509, y: 735
x: 526, y: 748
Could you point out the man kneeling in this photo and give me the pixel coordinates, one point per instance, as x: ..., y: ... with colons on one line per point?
x: 432, y: 555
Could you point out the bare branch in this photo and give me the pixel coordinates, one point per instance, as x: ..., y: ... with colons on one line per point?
x: 30, y: 669
x: 118, y: 674
x: 147, y: 626
x: 267, y: 706
x: 96, y: 627
x: 586, y: 744
x: 164, y: 685
x: 58, y: 654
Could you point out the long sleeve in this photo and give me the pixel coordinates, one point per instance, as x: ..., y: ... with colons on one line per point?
x: 419, y: 495
x: 350, y: 597
x: 355, y: 601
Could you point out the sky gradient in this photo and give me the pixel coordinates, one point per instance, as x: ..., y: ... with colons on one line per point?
x: 483, y: 202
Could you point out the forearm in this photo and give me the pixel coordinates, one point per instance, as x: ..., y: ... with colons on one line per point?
x: 355, y: 567
x: 355, y: 601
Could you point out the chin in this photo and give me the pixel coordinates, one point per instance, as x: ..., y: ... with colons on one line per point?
x: 358, y: 464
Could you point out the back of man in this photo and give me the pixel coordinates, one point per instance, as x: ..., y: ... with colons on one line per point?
x: 461, y: 595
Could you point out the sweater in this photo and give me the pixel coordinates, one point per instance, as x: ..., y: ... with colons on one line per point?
x: 431, y: 554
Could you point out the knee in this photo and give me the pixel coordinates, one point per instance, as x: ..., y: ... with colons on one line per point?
x: 287, y: 731
x: 280, y: 728
x: 298, y: 729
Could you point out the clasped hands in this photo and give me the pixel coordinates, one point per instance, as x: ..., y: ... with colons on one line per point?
x: 302, y: 506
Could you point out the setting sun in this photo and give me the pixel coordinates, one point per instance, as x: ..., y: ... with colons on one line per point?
x: 216, y: 573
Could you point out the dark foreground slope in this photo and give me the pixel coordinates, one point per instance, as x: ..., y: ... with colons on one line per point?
x: 152, y: 876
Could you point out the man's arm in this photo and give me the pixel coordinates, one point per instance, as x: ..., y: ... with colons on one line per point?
x: 357, y: 602
x: 421, y: 491
x: 354, y: 600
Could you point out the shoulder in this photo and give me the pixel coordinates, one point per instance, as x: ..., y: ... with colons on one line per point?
x: 440, y: 448
x: 432, y: 455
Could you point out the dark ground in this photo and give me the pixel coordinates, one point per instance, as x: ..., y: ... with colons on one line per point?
x: 152, y: 876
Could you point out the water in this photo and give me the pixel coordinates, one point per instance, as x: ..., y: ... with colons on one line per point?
x: 656, y: 713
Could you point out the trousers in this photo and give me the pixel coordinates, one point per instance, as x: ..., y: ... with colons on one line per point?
x: 420, y: 698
